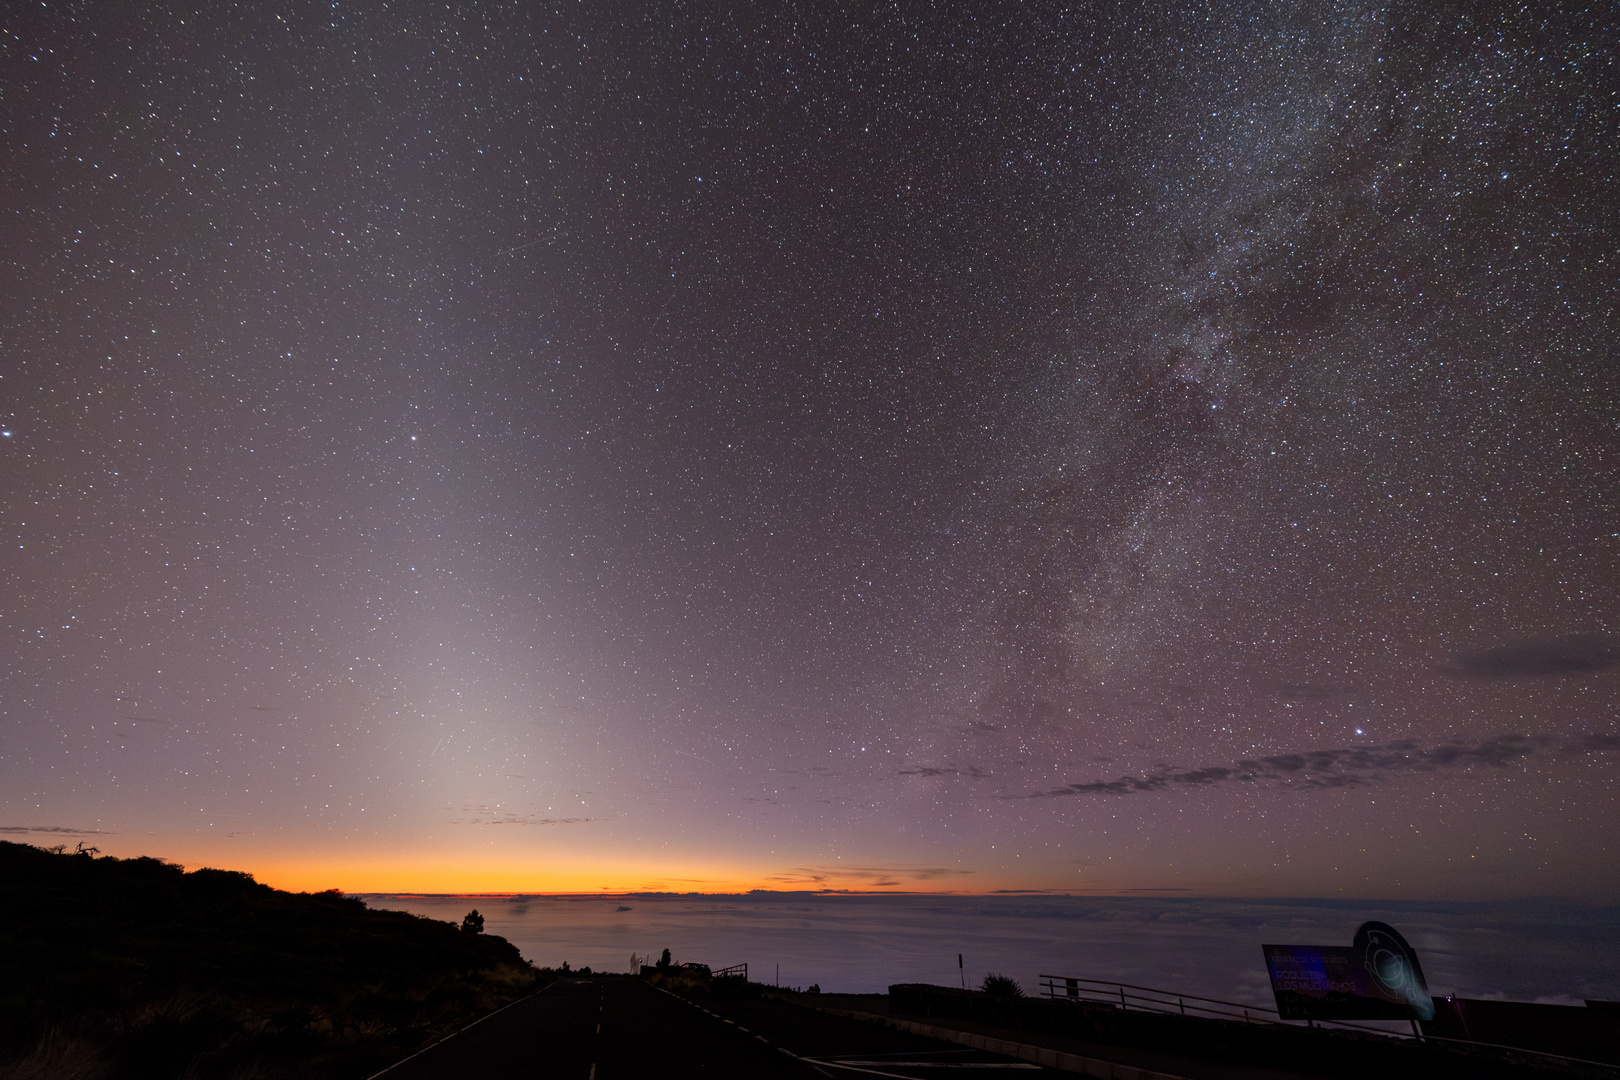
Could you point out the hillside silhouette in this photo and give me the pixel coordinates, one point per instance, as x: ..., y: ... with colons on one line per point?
x: 113, y: 968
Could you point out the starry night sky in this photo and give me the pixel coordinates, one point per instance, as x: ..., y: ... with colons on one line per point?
x: 1086, y: 447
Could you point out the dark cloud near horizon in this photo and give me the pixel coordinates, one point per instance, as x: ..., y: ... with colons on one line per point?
x: 1311, y: 692
x: 1538, y: 657
x: 972, y: 772
x: 518, y: 819
x: 1352, y: 766
x: 872, y: 875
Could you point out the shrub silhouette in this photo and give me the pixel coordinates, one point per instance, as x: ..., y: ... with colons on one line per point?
x: 1002, y: 986
x: 136, y: 968
x: 473, y: 923
x: 663, y: 961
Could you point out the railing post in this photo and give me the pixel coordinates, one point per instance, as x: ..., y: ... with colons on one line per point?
x: 1122, y: 1004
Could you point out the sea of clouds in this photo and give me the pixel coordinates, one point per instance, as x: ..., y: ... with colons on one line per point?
x: 1526, y: 950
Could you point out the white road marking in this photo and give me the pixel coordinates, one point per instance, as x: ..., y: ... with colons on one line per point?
x: 932, y: 1064
x: 863, y: 1067
x: 469, y: 1027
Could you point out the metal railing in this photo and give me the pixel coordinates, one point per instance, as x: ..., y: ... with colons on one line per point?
x: 735, y: 971
x: 1147, y: 999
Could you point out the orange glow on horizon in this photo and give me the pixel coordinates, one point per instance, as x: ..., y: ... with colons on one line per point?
x: 382, y: 875
x: 498, y: 874
x: 399, y: 876
x: 441, y: 865
x: 438, y: 865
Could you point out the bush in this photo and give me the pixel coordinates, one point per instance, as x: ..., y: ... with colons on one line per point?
x: 1002, y: 986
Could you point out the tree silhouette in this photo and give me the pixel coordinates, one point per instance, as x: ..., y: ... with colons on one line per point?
x: 663, y: 961
x: 473, y: 923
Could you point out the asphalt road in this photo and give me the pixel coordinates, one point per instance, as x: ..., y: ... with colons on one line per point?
x: 616, y: 1028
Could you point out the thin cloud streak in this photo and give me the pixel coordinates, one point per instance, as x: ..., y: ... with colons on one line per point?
x: 1538, y: 658
x: 1349, y: 767
x: 870, y: 875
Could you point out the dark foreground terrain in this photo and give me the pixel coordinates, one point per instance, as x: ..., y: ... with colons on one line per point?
x: 133, y: 968
x: 620, y: 1027
x: 671, y: 1027
x: 113, y: 968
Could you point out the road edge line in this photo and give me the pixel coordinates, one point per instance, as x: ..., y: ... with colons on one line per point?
x: 469, y: 1027
x: 1040, y: 1055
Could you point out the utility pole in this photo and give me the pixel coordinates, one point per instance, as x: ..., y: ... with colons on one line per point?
x: 960, y: 971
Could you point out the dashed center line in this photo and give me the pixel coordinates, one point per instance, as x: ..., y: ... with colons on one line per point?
x: 739, y: 1027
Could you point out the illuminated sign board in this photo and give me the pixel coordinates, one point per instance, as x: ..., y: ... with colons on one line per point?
x: 1376, y: 978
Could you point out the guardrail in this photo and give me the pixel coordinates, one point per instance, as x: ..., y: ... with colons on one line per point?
x: 1147, y: 999
x: 735, y: 971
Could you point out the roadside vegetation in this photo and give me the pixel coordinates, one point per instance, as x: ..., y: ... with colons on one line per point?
x: 114, y: 968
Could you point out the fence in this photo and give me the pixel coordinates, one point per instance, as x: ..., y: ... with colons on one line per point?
x: 1147, y: 999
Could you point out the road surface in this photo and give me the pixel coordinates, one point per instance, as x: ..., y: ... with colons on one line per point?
x: 622, y: 1028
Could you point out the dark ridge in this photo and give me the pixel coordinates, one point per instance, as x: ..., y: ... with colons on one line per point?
x: 134, y: 967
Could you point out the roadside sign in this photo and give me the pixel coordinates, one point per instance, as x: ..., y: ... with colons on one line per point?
x: 1376, y: 978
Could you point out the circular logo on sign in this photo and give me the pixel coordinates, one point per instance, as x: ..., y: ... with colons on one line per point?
x: 1392, y: 967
